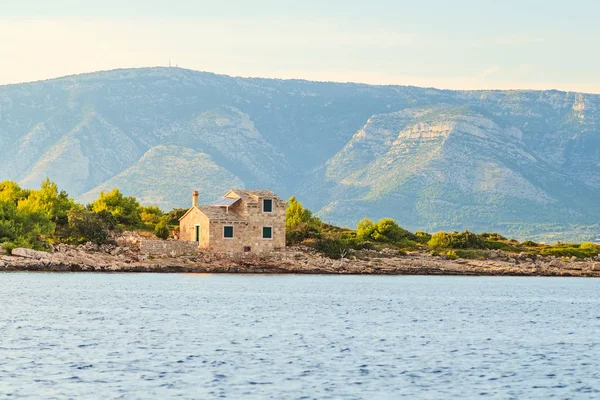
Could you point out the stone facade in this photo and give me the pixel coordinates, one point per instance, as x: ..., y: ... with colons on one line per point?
x: 173, y: 248
x: 254, y: 218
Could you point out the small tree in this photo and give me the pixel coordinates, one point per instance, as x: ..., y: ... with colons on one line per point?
x: 174, y: 215
x: 126, y: 210
x: 151, y: 215
x: 162, y: 230
x: 86, y: 226
x: 49, y: 200
x: 300, y: 223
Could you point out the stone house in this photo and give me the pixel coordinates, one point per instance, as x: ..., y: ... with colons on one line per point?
x: 250, y: 221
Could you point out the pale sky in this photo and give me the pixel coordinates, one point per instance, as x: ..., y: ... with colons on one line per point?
x: 459, y: 44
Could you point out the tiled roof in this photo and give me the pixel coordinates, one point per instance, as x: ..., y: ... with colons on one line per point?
x: 215, y: 213
x: 251, y: 196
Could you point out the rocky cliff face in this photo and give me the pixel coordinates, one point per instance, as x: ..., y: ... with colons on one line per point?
x: 526, y: 163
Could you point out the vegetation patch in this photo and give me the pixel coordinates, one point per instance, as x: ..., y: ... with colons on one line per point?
x: 37, y: 218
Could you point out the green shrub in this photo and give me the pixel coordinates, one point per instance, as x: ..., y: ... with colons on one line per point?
x: 151, y: 215
x: 493, y: 245
x: 473, y: 254
x: 455, y: 240
x: 86, y: 226
x: 9, y: 247
x: 385, y: 230
x: 529, y: 243
x: 492, y: 236
x: 356, y: 243
x: 174, y: 215
x: 332, y: 248
x: 565, y: 252
x: 451, y: 255
x: 162, y: 230
x: 422, y: 237
x: 589, y: 246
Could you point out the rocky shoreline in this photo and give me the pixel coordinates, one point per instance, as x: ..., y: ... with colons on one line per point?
x: 297, y: 260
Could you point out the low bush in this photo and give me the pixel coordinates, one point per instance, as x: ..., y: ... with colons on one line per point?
x: 589, y: 246
x: 566, y: 252
x: 162, y: 230
x: 455, y: 240
x: 422, y: 237
x: 332, y: 248
x: 386, y: 230
x: 9, y: 247
x: 529, y: 243
x: 492, y: 236
x: 451, y: 255
x: 473, y: 254
x: 494, y: 245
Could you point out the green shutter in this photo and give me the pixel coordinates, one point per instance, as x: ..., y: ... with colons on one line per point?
x: 267, y: 205
x: 228, y: 231
x: 267, y: 232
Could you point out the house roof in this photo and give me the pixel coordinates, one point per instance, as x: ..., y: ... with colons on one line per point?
x: 216, y: 213
x: 252, y: 196
x: 219, y: 210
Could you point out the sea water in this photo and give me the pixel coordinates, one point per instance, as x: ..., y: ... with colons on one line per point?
x: 139, y: 336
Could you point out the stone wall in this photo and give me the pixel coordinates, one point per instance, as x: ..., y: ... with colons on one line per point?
x: 248, y: 229
x: 248, y: 234
x: 171, y: 248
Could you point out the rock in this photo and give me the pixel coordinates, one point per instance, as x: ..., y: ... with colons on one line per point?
x: 555, y: 263
x: 89, y: 246
x: 32, y: 254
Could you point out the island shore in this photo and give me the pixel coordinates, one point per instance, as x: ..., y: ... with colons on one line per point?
x: 295, y: 260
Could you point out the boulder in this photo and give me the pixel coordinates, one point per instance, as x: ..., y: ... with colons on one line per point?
x: 32, y: 254
x: 555, y: 263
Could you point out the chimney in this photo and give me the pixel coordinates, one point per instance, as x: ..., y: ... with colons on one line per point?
x: 195, y: 199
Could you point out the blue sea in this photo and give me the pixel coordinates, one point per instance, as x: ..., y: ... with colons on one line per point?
x: 188, y: 336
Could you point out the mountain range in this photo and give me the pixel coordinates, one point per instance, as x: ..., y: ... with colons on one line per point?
x: 524, y: 163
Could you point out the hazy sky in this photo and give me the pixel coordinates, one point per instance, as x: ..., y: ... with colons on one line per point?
x: 458, y: 44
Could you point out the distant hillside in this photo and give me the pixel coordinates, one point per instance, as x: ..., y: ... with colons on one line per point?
x: 526, y: 163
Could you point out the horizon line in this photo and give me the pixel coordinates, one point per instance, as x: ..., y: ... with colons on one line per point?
x: 288, y: 79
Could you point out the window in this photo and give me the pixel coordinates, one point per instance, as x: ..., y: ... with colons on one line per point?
x: 197, y: 233
x: 228, y: 232
x: 267, y: 232
x: 267, y: 205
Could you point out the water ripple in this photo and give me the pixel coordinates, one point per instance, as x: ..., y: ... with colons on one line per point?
x: 303, y: 337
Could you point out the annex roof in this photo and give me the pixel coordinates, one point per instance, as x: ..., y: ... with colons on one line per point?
x: 225, y: 202
x: 216, y: 213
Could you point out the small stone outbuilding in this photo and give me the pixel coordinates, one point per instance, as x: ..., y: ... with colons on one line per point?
x: 250, y: 221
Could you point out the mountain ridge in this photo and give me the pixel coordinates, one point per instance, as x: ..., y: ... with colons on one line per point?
x: 300, y: 80
x: 431, y: 158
